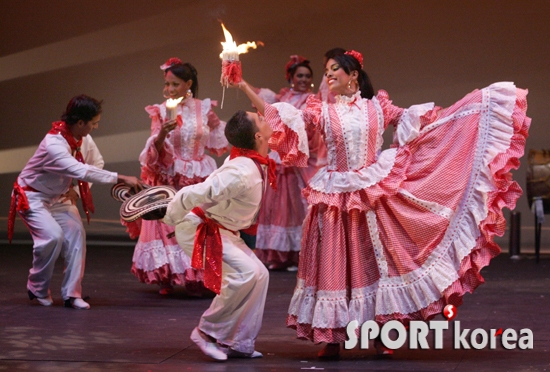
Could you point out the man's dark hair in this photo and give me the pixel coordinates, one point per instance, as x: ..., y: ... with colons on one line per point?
x: 83, y: 108
x: 240, y: 131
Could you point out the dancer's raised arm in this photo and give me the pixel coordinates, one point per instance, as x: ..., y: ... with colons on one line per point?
x: 254, y: 98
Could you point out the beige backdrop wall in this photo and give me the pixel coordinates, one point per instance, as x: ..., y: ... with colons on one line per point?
x: 417, y: 50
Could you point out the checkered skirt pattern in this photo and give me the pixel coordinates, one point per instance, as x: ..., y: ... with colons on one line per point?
x: 399, y: 234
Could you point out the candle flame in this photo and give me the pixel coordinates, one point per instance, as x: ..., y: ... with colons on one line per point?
x: 171, y: 103
x: 230, y: 46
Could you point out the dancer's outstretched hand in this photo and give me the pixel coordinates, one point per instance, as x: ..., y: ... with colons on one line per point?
x: 131, y: 181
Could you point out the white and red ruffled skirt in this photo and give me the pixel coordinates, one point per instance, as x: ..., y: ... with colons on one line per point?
x: 159, y: 259
x: 281, y: 216
x: 416, y: 238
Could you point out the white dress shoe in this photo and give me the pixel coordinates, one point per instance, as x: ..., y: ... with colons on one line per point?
x: 208, y: 348
x: 77, y: 303
x: 237, y: 354
x: 256, y: 354
x: 44, y: 301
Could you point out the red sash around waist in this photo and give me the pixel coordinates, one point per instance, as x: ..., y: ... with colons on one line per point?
x: 208, y: 250
x: 19, y: 202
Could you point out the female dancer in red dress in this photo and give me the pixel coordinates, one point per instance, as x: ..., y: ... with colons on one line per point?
x: 400, y: 233
x: 175, y: 155
x: 283, y: 210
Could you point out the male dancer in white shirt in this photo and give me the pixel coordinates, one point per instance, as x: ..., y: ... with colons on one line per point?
x: 40, y: 195
x: 208, y: 217
x: 92, y: 156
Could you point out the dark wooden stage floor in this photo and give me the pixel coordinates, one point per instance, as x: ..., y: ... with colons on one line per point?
x: 130, y: 327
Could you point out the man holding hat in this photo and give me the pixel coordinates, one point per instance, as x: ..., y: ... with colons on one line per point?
x: 208, y: 217
x: 40, y: 194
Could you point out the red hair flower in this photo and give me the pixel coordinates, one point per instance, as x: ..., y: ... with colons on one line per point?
x: 171, y: 62
x: 355, y: 54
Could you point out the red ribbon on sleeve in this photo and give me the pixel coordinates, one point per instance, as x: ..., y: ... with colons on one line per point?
x: 232, y: 72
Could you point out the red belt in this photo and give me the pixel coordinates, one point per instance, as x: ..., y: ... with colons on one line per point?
x: 208, y: 250
x: 20, y: 203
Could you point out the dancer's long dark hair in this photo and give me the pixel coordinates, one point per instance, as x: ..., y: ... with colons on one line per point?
x: 186, y: 72
x: 349, y: 64
x: 292, y: 70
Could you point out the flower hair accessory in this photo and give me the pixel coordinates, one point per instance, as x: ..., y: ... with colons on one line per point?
x: 171, y: 62
x: 294, y: 60
x: 355, y: 54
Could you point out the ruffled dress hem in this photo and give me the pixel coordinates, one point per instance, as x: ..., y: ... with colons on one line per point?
x: 454, y: 264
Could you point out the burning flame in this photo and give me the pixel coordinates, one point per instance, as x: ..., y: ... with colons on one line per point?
x: 171, y: 103
x: 230, y: 46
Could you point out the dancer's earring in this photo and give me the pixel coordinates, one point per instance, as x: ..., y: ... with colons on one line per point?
x: 355, y: 83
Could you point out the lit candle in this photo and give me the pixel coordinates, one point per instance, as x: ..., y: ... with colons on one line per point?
x: 231, y: 66
x: 172, y: 108
x: 230, y: 51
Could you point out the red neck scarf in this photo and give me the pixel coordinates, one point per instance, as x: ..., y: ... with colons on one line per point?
x: 253, y: 154
x: 60, y: 127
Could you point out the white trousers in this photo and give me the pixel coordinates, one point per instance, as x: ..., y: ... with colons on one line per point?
x: 56, y: 228
x: 235, y: 316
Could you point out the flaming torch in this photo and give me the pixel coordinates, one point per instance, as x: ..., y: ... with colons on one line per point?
x: 172, y: 106
x: 231, y: 66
